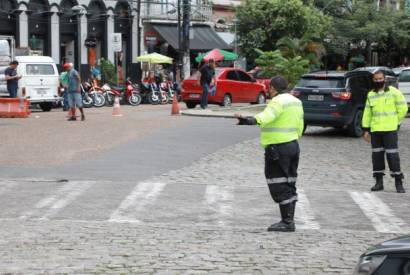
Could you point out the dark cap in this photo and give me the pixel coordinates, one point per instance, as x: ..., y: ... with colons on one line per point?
x: 279, y: 83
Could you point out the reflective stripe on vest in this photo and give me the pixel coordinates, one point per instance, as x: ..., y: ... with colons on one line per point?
x: 280, y: 130
x: 381, y: 114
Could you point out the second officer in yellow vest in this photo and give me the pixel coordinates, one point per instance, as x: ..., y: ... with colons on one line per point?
x: 281, y: 126
x: 385, y: 109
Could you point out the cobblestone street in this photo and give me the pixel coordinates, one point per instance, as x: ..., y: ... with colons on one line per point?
x: 206, y: 217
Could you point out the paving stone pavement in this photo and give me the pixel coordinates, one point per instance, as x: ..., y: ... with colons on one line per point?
x: 207, y: 218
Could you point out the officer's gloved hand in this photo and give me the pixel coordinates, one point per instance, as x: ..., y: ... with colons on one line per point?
x: 246, y: 121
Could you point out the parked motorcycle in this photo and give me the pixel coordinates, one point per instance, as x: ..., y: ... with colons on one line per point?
x: 96, y: 93
x: 126, y: 94
x: 88, y: 101
x: 170, y: 89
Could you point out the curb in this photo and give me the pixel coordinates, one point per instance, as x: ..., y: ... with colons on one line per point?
x: 218, y: 113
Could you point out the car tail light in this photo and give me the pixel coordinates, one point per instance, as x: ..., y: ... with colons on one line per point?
x: 342, y: 95
x: 295, y: 93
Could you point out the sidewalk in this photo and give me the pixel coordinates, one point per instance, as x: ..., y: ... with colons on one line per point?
x: 221, y: 112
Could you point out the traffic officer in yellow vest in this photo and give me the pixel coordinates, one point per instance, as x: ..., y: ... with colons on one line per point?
x: 385, y: 109
x: 281, y: 126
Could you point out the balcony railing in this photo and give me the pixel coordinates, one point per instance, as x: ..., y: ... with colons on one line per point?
x: 168, y: 11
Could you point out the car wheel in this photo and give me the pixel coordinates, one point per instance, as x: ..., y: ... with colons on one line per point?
x: 261, y: 99
x: 355, y: 128
x: 46, y: 106
x: 227, y: 101
x: 190, y: 105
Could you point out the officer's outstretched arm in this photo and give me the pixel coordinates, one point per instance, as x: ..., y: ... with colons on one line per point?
x: 270, y: 114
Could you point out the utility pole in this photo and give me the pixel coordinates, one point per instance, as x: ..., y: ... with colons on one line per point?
x: 139, y: 27
x: 186, y: 10
x: 179, y: 61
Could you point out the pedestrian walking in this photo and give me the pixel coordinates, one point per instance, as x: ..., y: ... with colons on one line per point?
x: 206, y: 78
x: 64, y: 84
x: 281, y: 124
x: 385, y: 109
x: 74, y: 92
x: 12, y: 79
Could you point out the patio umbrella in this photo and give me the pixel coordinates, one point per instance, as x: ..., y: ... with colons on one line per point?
x: 217, y: 55
x: 155, y: 58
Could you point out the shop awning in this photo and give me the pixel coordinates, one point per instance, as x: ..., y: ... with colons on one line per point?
x: 205, y: 38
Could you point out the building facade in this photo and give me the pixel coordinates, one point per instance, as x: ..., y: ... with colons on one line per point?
x: 81, y: 31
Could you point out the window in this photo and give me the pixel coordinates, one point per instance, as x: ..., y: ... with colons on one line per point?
x: 326, y: 83
x: 244, y: 77
x: 232, y: 76
x: 405, y: 76
x: 39, y: 69
x: 359, y: 84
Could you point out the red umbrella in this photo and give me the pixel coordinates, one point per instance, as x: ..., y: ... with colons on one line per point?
x: 215, y: 54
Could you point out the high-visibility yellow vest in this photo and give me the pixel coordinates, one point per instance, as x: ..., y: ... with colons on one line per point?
x: 281, y: 121
x: 384, y: 110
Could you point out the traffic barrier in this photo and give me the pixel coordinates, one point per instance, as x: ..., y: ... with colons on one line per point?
x: 116, y: 109
x: 14, y: 108
x: 175, y: 106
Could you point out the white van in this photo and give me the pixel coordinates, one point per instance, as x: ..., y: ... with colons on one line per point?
x: 40, y: 80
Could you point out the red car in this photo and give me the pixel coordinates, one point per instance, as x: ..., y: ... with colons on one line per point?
x: 232, y: 86
x: 260, y: 78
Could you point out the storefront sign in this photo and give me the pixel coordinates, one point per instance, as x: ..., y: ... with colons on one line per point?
x: 116, y: 41
x: 90, y: 43
x: 151, y: 38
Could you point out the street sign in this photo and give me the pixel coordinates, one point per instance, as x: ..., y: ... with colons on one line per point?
x: 116, y: 42
x: 90, y: 43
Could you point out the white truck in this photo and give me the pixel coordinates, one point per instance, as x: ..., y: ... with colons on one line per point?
x: 40, y: 79
x: 7, y: 46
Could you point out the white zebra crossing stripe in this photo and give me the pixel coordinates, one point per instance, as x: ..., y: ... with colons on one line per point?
x: 304, y: 215
x: 50, y: 206
x: 379, y: 213
x: 144, y: 193
x: 219, y: 199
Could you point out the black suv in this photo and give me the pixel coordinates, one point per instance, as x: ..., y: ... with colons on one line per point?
x: 337, y: 99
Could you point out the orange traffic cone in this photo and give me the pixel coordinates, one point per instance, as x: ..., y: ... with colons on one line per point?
x: 116, y: 110
x: 175, y: 106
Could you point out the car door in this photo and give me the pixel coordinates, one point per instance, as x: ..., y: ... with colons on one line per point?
x: 229, y: 86
x: 404, y: 84
x: 245, y: 89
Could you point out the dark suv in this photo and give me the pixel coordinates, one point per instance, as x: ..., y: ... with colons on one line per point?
x: 337, y: 99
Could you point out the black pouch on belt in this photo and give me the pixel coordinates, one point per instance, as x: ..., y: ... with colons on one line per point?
x: 272, y: 152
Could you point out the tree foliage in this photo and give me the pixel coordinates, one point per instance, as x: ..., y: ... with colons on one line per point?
x: 274, y: 63
x: 261, y: 23
x: 108, y: 72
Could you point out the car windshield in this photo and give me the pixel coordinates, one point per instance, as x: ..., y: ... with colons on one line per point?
x: 260, y: 75
x: 40, y: 69
x: 326, y: 83
x: 404, y: 76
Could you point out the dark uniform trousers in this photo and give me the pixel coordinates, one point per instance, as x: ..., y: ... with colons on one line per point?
x: 281, y: 164
x: 385, y: 143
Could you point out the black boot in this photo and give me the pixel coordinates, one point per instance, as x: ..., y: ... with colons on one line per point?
x: 287, y: 224
x: 399, y: 185
x: 379, y: 184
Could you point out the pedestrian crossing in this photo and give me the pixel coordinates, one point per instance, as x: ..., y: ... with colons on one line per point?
x: 199, y: 204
